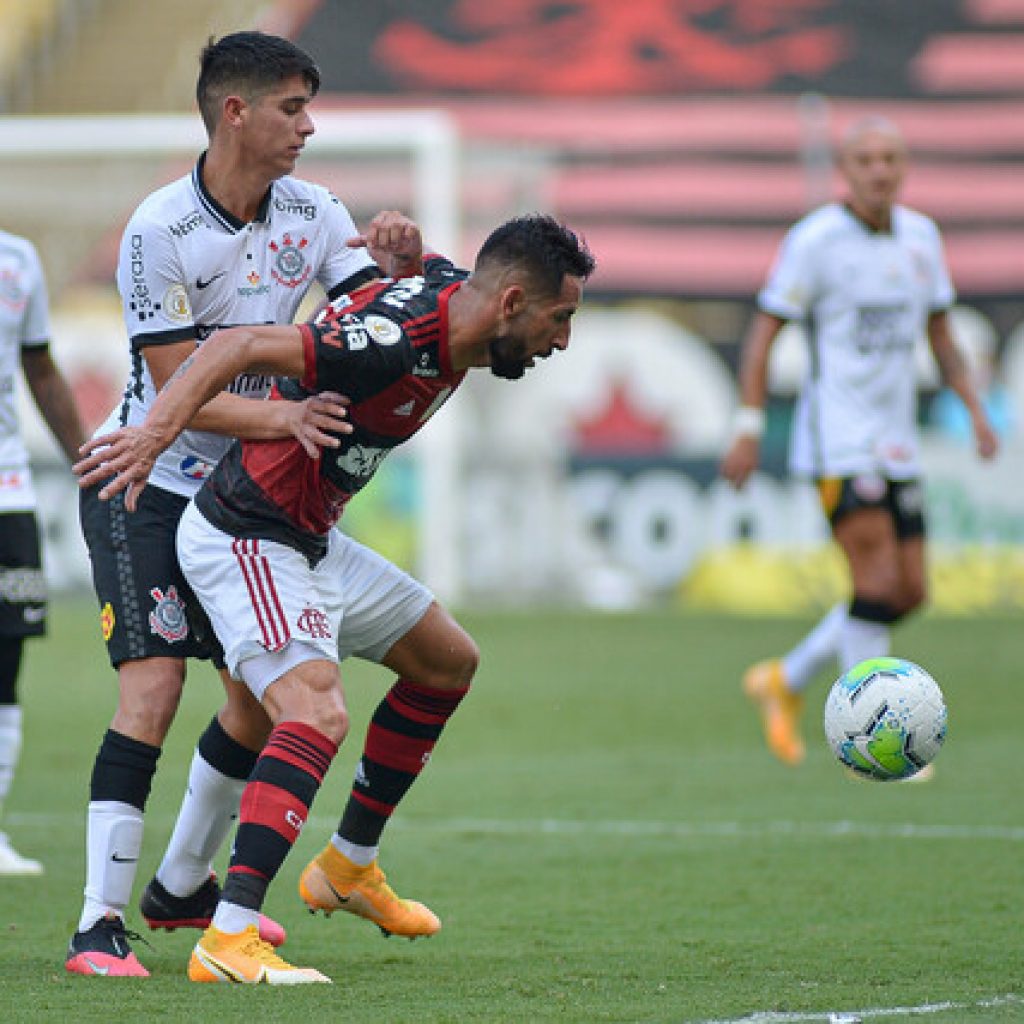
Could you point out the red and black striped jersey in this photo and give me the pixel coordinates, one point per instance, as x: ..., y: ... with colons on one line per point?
x: 386, y: 348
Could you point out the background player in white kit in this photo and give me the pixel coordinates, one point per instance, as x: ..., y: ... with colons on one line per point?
x: 867, y: 277
x: 24, y: 342
x: 236, y: 241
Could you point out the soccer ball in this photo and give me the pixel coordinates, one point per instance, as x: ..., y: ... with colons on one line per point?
x: 885, y: 718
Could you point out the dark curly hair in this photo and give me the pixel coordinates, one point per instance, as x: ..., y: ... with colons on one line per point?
x: 542, y: 247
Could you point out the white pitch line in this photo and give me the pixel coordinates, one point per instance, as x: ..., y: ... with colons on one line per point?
x: 711, y: 829
x: 857, y: 1016
x: 633, y: 827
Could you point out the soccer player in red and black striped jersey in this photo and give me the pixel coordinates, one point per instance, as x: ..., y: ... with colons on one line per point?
x: 287, y: 595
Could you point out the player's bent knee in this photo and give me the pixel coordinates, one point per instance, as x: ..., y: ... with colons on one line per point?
x: 437, y: 652
x: 333, y: 723
x: 465, y: 660
x: 325, y: 711
x: 309, y: 692
x: 454, y: 666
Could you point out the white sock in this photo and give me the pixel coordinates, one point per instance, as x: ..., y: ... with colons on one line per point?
x: 818, y: 649
x: 113, y: 841
x: 10, y: 746
x: 231, y: 918
x: 863, y: 639
x: 359, y: 855
x: 208, y: 812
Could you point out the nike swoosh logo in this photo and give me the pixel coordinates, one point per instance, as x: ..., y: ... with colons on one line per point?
x: 337, y: 895
x: 96, y: 969
x: 201, y: 284
x: 118, y: 859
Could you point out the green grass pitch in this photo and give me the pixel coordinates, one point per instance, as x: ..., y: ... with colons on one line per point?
x: 601, y: 831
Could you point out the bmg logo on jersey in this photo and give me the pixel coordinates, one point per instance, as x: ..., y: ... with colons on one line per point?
x: 186, y: 225
x: 314, y: 623
x: 290, y: 266
x: 307, y: 211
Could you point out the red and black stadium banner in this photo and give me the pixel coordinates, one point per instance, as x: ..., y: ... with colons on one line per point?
x: 890, y: 48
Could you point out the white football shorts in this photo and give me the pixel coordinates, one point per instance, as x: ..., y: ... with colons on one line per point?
x: 271, y: 611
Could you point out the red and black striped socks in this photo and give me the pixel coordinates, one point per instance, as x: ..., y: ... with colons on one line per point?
x: 275, y: 805
x: 402, y: 733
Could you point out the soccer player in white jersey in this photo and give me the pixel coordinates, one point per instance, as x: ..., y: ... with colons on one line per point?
x: 24, y: 342
x: 867, y: 277
x: 236, y: 241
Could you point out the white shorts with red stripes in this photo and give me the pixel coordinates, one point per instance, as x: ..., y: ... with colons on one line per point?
x: 265, y: 602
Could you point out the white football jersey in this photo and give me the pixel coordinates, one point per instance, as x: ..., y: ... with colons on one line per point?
x: 864, y: 298
x: 188, y: 267
x: 24, y: 323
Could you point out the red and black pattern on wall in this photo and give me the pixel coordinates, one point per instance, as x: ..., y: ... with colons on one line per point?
x: 682, y: 137
x: 602, y: 48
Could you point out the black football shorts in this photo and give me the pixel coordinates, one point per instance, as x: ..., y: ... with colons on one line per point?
x: 902, y: 499
x: 147, y: 610
x: 22, y: 583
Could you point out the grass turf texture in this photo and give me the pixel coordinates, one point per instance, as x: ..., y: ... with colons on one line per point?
x: 602, y: 832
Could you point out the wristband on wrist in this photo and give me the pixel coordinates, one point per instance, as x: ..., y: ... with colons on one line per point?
x: 748, y: 422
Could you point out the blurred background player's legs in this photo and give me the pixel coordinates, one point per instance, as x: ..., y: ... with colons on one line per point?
x: 777, y: 684
x: 21, y: 615
x: 11, y: 862
x: 884, y: 549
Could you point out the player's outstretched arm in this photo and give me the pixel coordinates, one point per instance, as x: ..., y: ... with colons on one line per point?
x: 233, y: 415
x: 128, y: 454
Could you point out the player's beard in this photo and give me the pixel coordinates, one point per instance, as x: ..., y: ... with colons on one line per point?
x: 508, y: 356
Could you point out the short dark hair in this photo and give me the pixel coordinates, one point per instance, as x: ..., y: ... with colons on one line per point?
x: 542, y: 247
x: 249, y: 63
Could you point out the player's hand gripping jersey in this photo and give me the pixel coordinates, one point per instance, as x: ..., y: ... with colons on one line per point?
x: 187, y: 267
x: 865, y: 298
x: 386, y: 348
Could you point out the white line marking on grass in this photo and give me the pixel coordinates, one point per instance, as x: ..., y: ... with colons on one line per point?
x: 856, y: 1016
x: 711, y: 829
x: 667, y: 829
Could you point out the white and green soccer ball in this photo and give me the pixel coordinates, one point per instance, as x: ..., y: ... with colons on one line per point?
x: 885, y: 718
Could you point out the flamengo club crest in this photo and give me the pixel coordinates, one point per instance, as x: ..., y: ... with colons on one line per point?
x: 168, y: 619
x: 290, y: 266
x: 315, y: 623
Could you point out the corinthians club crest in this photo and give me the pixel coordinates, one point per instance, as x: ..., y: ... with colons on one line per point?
x: 290, y: 265
x: 168, y: 618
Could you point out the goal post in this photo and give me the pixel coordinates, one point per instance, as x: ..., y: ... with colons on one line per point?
x: 73, y: 176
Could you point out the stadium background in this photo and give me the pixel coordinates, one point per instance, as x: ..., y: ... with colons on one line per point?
x: 681, y: 137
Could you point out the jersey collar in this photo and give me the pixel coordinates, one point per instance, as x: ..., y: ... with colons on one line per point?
x: 225, y: 218
x: 870, y: 228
